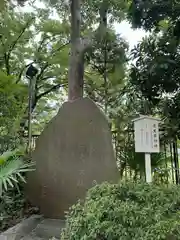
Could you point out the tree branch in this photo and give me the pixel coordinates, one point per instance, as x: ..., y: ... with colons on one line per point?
x: 60, y: 48
x: 44, y: 38
x: 36, y: 83
x: 46, y: 65
x: 14, y: 44
x: 87, y: 42
x: 100, y: 70
x: 20, y: 35
x: 5, y: 58
x: 21, y: 72
x: 52, y: 89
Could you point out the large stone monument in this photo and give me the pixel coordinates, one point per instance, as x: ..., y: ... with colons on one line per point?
x: 73, y: 152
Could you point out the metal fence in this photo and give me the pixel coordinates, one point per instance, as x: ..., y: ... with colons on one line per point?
x: 8, y: 143
x: 165, y: 165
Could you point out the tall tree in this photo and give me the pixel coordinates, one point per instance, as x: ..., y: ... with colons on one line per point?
x: 37, y: 42
x: 80, y: 45
x: 83, y: 36
x: 45, y: 43
x: 156, y: 70
x: 107, y: 65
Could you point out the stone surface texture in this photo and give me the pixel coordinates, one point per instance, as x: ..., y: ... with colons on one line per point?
x: 73, y: 153
x: 35, y: 228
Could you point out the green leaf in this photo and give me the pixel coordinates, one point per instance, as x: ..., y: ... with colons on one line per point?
x: 11, y: 170
x: 164, y: 25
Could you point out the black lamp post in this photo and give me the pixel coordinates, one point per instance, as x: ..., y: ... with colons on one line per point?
x: 30, y: 74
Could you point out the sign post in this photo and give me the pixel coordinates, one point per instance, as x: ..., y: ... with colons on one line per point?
x: 146, y: 131
x: 148, y: 167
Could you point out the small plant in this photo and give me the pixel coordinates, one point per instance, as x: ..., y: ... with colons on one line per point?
x: 161, y: 176
x: 12, y: 204
x: 12, y: 175
x: 12, y: 168
x: 125, y: 211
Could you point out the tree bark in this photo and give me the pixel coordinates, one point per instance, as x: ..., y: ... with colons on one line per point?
x: 76, y: 63
x: 79, y: 46
x: 103, y: 15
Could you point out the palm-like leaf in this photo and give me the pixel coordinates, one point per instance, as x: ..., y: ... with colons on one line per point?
x: 12, y: 168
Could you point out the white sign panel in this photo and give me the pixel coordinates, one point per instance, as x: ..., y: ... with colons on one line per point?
x: 146, y: 135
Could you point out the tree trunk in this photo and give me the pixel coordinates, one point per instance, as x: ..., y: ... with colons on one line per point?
x: 76, y: 64
x: 79, y: 46
x: 103, y: 16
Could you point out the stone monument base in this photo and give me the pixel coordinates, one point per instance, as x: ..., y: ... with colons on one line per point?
x: 35, y: 228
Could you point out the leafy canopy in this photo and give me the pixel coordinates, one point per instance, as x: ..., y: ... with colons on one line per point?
x: 155, y: 72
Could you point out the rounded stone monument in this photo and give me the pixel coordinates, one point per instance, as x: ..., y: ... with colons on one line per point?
x: 72, y: 154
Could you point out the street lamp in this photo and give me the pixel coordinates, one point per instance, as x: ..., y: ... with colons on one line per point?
x: 30, y: 74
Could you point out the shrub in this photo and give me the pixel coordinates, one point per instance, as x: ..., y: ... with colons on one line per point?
x: 125, y: 211
x: 12, y: 168
x: 12, y: 205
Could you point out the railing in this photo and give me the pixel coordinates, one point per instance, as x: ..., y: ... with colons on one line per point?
x: 12, y: 142
x: 168, y: 171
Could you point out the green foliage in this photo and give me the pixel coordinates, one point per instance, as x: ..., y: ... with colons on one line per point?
x: 106, y: 68
x: 12, y: 98
x: 12, y: 204
x: 115, y: 47
x: 125, y: 211
x: 161, y: 176
x: 30, y: 37
x: 148, y: 14
x: 12, y: 177
x: 39, y: 38
x: 156, y: 71
x: 12, y: 168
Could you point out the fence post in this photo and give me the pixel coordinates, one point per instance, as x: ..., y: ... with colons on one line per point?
x: 176, y: 162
